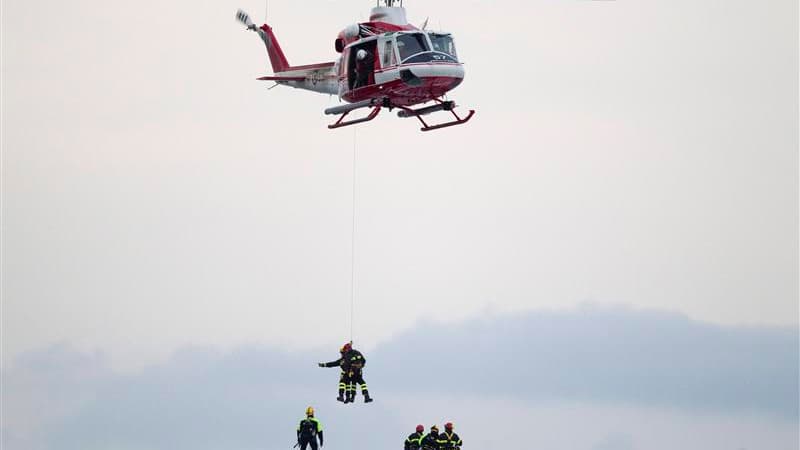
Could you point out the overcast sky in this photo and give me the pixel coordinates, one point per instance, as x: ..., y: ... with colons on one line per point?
x: 592, y: 378
x: 156, y: 197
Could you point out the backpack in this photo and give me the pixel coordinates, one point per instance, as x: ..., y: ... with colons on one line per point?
x: 308, y: 428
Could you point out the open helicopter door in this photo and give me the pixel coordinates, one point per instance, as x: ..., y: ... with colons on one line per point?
x: 361, y: 63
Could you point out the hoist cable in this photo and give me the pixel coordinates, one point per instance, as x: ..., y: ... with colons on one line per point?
x: 353, y: 244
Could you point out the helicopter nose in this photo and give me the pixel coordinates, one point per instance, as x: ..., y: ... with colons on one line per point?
x: 445, y: 76
x: 434, y: 70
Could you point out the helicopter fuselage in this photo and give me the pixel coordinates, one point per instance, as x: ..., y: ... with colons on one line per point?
x: 408, y: 67
x: 383, y: 63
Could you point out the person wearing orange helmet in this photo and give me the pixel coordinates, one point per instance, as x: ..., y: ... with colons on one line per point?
x: 414, y: 440
x: 351, y: 362
x: 449, y: 440
x: 309, y: 430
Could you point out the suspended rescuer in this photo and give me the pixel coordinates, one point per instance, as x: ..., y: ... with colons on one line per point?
x: 309, y: 430
x: 431, y: 440
x: 352, y: 363
x: 449, y: 440
x: 414, y: 440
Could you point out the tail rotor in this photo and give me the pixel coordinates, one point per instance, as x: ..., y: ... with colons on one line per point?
x: 244, y: 19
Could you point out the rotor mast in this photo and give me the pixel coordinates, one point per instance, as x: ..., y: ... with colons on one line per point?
x: 389, y: 11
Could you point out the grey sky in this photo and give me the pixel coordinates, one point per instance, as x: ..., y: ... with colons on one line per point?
x: 640, y: 379
x: 156, y: 197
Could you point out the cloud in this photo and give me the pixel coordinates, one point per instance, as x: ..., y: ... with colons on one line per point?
x: 615, y: 442
x: 251, y: 397
x: 603, y: 354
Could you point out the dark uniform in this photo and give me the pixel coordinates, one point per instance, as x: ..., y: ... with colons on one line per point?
x: 364, y: 68
x: 413, y: 442
x: 308, y: 431
x: 352, y: 362
x: 449, y: 440
x: 431, y: 440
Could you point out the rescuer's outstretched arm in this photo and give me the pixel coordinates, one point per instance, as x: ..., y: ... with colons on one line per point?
x: 336, y: 363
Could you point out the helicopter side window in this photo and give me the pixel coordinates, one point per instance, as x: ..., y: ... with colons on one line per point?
x: 443, y: 43
x: 388, y: 54
x: 411, y: 44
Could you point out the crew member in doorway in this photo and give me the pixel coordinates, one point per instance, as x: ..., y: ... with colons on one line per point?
x: 413, y: 442
x: 352, y: 363
x: 364, y: 66
x: 309, y: 430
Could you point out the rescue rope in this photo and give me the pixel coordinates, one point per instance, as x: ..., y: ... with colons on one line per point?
x: 353, y: 244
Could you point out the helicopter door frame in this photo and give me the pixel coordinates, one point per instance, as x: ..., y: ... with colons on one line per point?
x: 349, y: 56
x: 387, y: 48
x: 389, y: 59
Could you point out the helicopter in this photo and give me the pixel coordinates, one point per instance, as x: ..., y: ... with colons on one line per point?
x: 383, y: 63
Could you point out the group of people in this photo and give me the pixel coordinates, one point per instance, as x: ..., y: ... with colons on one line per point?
x: 309, y: 431
x: 433, y: 440
x: 352, y: 363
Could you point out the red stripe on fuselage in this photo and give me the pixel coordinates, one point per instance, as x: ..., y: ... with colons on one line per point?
x: 310, y: 66
x: 404, y: 94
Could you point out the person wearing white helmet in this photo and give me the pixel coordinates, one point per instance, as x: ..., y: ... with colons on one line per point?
x: 364, y: 66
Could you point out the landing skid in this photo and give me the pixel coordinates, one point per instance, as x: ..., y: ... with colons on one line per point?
x: 344, y: 110
x: 339, y: 123
x: 377, y: 104
x: 440, y: 106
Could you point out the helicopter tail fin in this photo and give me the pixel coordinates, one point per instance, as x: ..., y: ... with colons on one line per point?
x: 276, y: 56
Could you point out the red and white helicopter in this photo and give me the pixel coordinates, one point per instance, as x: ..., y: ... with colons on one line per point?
x: 384, y: 63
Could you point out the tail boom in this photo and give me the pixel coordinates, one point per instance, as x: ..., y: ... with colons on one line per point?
x: 313, y: 77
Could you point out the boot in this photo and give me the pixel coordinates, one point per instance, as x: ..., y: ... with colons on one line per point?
x: 367, y: 398
x: 342, y: 387
x: 350, y: 398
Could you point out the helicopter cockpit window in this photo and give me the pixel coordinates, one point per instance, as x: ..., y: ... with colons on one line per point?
x: 443, y: 43
x: 411, y: 44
